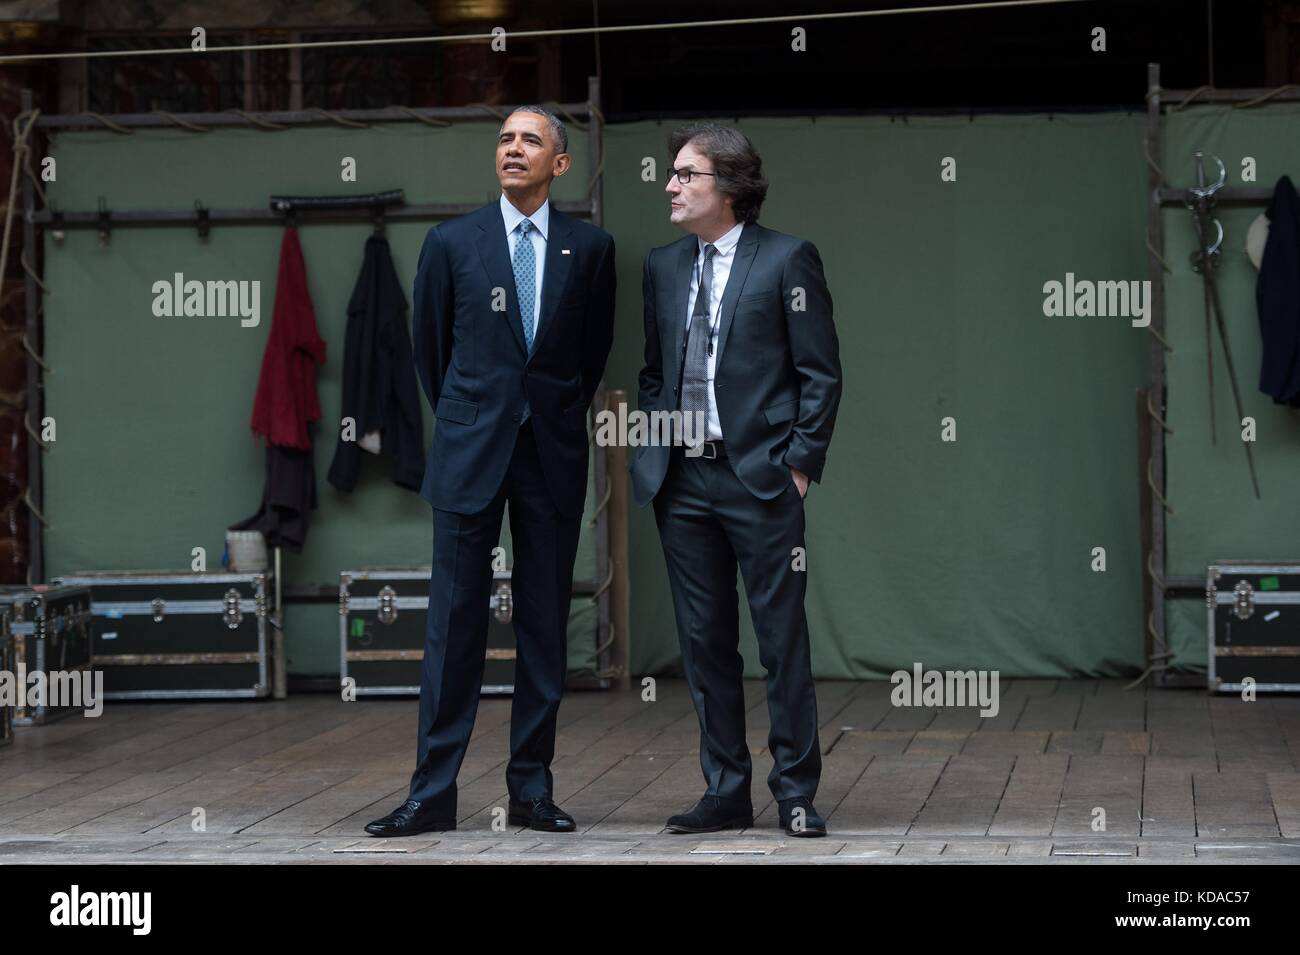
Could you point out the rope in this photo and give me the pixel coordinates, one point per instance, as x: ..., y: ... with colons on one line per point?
x: 1175, y: 107
x: 31, y: 351
x: 192, y: 127
x: 21, y: 134
x: 1247, y: 104
x: 1156, y: 491
x: 1153, y: 413
x: 32, y: 431
x: 1160, y: 581
x: 1161, y: 338
x: 338, y: 119
x: 115, y: 127
x: 534, y: 34
x: 1156, y: 252
x: 22, y: 260
x: 427, y: 120
x: 257, y: 121
x: 603, y: 501
x: 488, y: 109
x: 31, y: 505
x: 605, y: 586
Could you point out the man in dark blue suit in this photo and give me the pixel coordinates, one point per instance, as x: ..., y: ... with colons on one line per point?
x: 514, y: 318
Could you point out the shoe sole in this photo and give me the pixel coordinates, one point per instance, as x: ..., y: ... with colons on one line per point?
x: 438, y: 827
x: 732, y: 824
x: 805, y: 832
x: 527, y: 822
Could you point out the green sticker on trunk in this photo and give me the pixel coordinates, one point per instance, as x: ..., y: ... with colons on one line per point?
x: 1269, y: 583
x: 358, y: 627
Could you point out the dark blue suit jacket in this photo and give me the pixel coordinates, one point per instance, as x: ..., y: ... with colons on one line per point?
x: 476, y: 371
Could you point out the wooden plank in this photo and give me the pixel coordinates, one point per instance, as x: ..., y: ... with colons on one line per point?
x: 1236, y: 805
x: 1111, y: 783
x: 966, y: 798
x: 1168, y: 800
x: 889, y: 796
x: 1032, y: 797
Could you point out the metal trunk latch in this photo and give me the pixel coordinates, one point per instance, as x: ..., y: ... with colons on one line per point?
x: 159, y: 609
x: 503, y: 602
x: 232, y: 615
x: 387, y: 605
x: 1244, y: 603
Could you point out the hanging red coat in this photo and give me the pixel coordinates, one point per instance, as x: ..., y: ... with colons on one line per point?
x: 286, y: 398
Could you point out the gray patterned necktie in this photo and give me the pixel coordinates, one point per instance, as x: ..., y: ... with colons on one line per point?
x: 695, y: 371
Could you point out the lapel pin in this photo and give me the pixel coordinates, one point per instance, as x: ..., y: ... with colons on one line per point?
x: 564, y: 252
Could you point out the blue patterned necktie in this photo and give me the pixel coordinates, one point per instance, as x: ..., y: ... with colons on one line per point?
x: 525, y: 263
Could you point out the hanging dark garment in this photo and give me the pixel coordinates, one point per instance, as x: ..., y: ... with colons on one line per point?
x: 288, y: 498
x: 1277, y: 295
x: 379, y: 390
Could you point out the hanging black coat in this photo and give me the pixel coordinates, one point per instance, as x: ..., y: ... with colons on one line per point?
x: 1277, y: 294
x: 379, y: 387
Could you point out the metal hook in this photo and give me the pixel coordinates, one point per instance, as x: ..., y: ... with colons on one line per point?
x: 1201, y: 190
x: 203, y: 220
x: 104, y: 225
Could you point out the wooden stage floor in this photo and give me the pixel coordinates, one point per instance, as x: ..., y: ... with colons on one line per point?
x: 1183, y: 778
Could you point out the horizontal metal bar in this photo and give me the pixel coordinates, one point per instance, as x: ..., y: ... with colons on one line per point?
x: 383, y: 656
x: 117, y: 609
x: 137, y: 217
x: 1246, y: 651
x: 172, y: 659
x: 1261, y: 598
x: 487, y: 688
x: 86, y: 579
x: 1172, y: 97
x: 388, y: 114
x: 1255, y: 567
x: 1242, y: 195
x: 183, y: 694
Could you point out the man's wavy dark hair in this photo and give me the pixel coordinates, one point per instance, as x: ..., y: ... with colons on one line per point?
x: 736, y: 163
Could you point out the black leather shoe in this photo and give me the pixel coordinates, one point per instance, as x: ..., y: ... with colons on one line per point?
x: 712, y: 814
x: 807, y: 823
x: 541, y: 814
x: 408, y: 819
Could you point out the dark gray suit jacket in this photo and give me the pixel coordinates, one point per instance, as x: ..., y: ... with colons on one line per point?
x: 777, y: 376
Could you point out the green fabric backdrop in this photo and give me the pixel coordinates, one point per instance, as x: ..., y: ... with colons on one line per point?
x: 154, y: 454
x: 1216, y: 515
x: 976, y: 553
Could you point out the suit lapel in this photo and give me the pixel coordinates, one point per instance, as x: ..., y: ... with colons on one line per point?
x: 682, y: 269
x: 494, y: 251
x: 555, y: 272
x: 740, y: 264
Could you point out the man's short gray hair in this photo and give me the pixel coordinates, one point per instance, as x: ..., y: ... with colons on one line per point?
x: 558, y: 132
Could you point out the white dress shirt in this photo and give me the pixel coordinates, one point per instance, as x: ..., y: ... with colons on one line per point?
x: 541, y: 220
x: 722, y: 259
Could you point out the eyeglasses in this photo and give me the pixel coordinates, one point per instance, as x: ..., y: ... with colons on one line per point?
x: 684, y: 175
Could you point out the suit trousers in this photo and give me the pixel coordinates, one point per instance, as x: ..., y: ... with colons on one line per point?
x: 709, y: 524
x: 545, y: 547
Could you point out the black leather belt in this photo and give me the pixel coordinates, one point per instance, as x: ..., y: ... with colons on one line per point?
x: 709, y: 451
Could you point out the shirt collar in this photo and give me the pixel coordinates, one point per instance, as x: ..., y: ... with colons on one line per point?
x: 726, y: 242
x: 541, y: 219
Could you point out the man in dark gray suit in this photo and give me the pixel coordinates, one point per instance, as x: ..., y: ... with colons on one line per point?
x: 738, y: 331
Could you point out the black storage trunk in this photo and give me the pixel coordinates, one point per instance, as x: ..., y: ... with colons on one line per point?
x: 6, y: 666
x: 381, y: 631
x: 1254, y: 625
x: 175, y: 635
x: 51, y: 633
